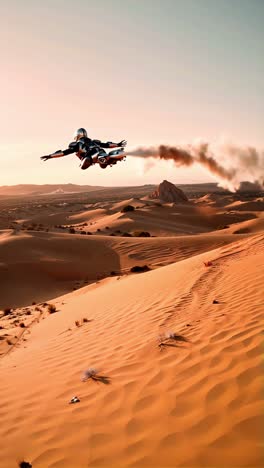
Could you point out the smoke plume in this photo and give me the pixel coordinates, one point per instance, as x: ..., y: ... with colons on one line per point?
x: 237, y: 163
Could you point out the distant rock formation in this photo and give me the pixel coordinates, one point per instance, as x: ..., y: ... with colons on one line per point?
x: 168, y: 192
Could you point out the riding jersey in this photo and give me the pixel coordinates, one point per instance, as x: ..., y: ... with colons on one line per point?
x: 86, y: 147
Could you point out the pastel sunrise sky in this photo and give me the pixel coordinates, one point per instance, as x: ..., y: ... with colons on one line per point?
x: 149, y: 71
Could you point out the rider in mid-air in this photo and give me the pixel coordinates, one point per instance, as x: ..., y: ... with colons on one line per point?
x: 86, y: 149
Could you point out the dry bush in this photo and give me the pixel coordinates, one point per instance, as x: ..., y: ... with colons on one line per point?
x: 22, y: 325
x: 126, y: 234
x: 71, y: 231
x: 25, y: 464
x: 7, y: 311
x: 52, y: 308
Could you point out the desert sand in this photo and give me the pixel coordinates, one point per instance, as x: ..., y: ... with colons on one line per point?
x: 172, y: 356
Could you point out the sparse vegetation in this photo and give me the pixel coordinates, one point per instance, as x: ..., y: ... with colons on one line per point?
x: 22, y: 325
x: 83, y: 232
x: 25, y: 464
x: 7, y: 311
x: 126, y: 234
x: 72, y: 230
x: 139, y: 269
x: 167, y: 339
x: 52, y: 308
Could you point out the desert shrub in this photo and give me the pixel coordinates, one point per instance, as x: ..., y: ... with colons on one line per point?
x: 33, y: 303
x: 52, y: 308
x: 112, y: 234
x: 7, y: 311
x: 22, y: 325
x: 89, y: 233
x: 139, y: 269
x: 85, y: 320
x: 219, y: 228
x: 126, y: 234
x: 127, y: 208
x: 77, y: 323
x: 28, y: 312
x: 113, y: 273
x: 83, y: 232
x: 118, y: 231
x: 107, y: 227
x: 24, y: 464
x: 98, y: 230
x: 72, y: 230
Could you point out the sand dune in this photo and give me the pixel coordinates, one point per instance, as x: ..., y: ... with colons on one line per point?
x: 159, y: 220
x: 196, y: 400
x: 36, y: 266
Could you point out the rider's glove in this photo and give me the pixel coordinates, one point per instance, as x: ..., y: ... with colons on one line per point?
x: 45, y: 158
x: 122, y: 143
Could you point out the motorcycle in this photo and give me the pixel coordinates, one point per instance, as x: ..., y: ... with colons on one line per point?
x: 105, y: 159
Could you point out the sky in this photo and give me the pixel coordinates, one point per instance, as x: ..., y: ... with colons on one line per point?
x: 148, y: 71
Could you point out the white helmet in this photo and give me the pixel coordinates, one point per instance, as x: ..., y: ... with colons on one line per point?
x: 80, y: 133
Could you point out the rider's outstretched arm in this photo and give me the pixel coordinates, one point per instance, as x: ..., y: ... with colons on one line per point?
x: 59, y: 154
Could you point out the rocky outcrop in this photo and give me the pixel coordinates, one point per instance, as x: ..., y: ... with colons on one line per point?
x: 168, y: 192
